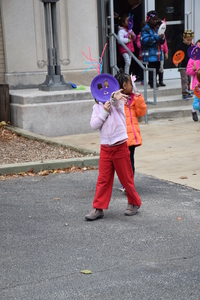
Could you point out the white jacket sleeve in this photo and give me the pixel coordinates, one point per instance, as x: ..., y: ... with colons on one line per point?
x: 125, y: 40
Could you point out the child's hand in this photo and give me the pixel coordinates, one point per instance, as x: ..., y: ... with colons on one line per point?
x: 130, y: 36
x: 133, y: 36
x: 137, y: 94
x: 107, y: 106
x: 119, y: 96
x: 161, y: 36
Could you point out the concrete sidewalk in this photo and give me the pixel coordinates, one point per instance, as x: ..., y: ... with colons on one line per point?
x: 169, y: 152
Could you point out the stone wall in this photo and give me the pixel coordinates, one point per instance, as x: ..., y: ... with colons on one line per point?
x: 25, y: 41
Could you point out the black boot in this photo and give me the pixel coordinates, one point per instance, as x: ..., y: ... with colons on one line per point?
x: 161, y: 83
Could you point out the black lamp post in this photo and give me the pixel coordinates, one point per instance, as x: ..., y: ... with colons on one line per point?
x: 54, y: 80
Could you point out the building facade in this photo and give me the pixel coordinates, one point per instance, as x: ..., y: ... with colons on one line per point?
x: 23, y: 54
x: 81, y: 24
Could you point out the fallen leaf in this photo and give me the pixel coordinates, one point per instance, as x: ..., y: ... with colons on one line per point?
x: 183, y: 177
x: 44, y: 173
x: 179, y: 218
x: 73, y: 168
x: 86, y: 272
x: 3, y: 123
x: 56, y: 199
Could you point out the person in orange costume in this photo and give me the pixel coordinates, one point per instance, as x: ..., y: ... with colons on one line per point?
x: 134, y: 107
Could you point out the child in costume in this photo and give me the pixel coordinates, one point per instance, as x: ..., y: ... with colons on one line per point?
x: 191, y: 70
x: 196, y: 102
x: 110, y: 120
x: 127, y: 37
x: 151, y: 44
x: 185, y: 79
x: 134, y: 107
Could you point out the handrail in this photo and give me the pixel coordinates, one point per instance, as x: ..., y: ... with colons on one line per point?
x: 145, y: 69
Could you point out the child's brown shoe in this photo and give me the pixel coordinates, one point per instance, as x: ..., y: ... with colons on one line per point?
x: 95, y: 214
x: 131, y: 210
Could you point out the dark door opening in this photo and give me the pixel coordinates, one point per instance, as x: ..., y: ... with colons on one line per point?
x: 133, y: 7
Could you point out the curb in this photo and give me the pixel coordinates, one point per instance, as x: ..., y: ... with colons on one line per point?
x: 35, y: 167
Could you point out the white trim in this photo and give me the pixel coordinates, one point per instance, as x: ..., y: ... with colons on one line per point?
x: 174, y: 22
x: 171, y: 73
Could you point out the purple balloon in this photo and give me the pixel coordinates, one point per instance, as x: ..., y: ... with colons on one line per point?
x: 194, y: 52
x: 102, y: 87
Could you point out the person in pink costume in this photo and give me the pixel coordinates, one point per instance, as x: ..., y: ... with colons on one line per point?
x: 191, y: 70
x: 127, y: 37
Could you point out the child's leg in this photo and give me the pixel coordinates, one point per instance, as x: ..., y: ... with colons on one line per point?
x: 196, y: 103
x: 132, y: 152
x: 105, y: 179
x: 184, y: 82
x: 127, y: 59
x: 122, y: 165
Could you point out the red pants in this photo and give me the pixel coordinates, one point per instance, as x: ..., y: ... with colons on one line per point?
x: 115, y: 158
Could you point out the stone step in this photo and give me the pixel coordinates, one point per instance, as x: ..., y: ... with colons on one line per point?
x: 69, y: 112
x: 169, y: 101
x: 161, y: 92
x: 169, y: 112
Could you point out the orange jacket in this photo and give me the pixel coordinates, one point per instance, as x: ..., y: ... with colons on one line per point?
x: 136, y: 107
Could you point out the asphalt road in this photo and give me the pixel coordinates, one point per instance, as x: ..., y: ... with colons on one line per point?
x: 45, y: 242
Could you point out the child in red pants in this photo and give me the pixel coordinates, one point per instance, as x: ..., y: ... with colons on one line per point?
x: 110, y: 119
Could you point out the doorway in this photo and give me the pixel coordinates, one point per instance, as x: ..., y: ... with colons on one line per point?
x: 173, y: 12
x: 120, y: 7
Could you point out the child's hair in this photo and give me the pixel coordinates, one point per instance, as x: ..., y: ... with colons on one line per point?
x: 197, y: 42
x: 123, y: 19
x: 188, y: 33
x: 151, y: 14
x: 121, y: 77
x: 198, y: 75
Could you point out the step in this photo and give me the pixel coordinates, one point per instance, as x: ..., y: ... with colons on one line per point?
x: 173, y: 87
x: 169, y: 101
x: 161, y: 92
x: 169, y: 112
x: 69, y: 112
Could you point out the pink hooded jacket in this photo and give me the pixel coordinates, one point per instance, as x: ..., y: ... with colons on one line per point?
x: 191, y: 72
x: 112, y: 126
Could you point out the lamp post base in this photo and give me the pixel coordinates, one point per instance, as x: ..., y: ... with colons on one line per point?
x: 54, y: 83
